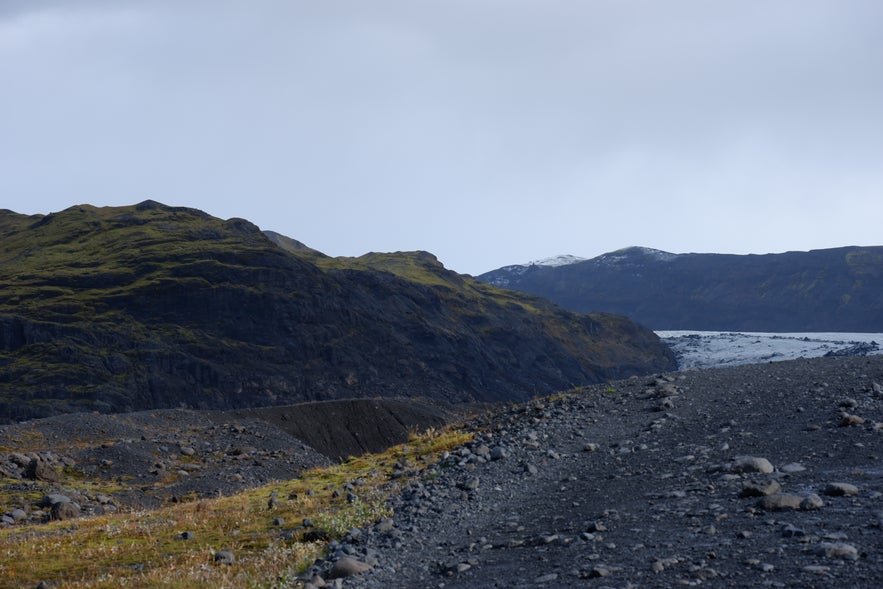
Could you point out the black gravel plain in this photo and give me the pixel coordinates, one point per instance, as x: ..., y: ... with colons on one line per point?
x: 765, y: 475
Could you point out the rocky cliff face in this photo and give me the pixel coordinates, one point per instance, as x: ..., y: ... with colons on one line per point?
x: 151, y: 306
x: 822, y: 290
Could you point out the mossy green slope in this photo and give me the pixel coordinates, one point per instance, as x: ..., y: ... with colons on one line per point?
x: 144, y: 306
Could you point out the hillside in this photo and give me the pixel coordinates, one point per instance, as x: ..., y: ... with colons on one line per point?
x: 150, y: 306
x: 821, y: 290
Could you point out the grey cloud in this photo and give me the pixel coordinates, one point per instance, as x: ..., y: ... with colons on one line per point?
x: 487, y: 131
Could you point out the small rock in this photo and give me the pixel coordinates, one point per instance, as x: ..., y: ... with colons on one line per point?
x: 225, y: 557
x: 840, y: 490
x: 65, y: 510
x: 546, y: 578
x: 840, y: 550
x: 385, y: 525
x: 315, y: 582
x: 848, y: 419
x: 759, y: 489
x: 780, y: 502
x: 791, y: 531
x: 347, y: 567
x: 499, y: 453
x: 590, y: 447
x: 103, y: 499
x: 53, y: 498
x: 811, y: 501
x: 792, y: 467
x: 751, y: 464
x: 665, y: 404
x: 469, y: 484
x: 40, y: 470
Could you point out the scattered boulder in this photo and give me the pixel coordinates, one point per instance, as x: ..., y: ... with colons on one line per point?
x: 743, y: 464
x: 52, y: 498
x: 849, y: 419
x: 65, y: 510
x: 347, y: 567
x: 225, y: 557
x: 469, y: 484
x: 786, y: 501
x: 840, y: 490
x: 840, y: 550
x: 499, y: 453
x: 759, y: 489
x: 811, y: 501
x: 39, y: 469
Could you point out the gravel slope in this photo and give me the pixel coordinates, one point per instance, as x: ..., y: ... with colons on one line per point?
x: 645, y: 484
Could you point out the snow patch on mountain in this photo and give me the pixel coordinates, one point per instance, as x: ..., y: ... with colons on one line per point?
x: 555, y: 261
x: 506, y: 273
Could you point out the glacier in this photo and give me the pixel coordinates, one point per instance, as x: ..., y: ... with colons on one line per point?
x: 706, y: 349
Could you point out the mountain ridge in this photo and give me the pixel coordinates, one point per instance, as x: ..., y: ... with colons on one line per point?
x: 150, y: 306
x: 836, y: 289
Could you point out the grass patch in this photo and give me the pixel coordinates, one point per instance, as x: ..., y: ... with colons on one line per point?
x: 146, y: 549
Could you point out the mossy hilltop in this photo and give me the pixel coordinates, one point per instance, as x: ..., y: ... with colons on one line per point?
x: 149, y: 306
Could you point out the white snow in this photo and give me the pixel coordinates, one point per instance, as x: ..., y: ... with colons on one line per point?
x: 555, y: 261
x: 703, y: 349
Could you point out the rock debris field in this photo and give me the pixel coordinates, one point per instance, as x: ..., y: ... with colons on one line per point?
x: 766, y: 475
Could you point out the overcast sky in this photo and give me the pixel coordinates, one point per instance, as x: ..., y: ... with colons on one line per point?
x: 488, y: 132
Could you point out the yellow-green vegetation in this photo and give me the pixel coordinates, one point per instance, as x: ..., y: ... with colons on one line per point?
x: 146, y: 548
x: 424, y: 268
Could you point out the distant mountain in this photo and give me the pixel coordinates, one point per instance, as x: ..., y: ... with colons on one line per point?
x: 837, y: 289
x: 150, y: 306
